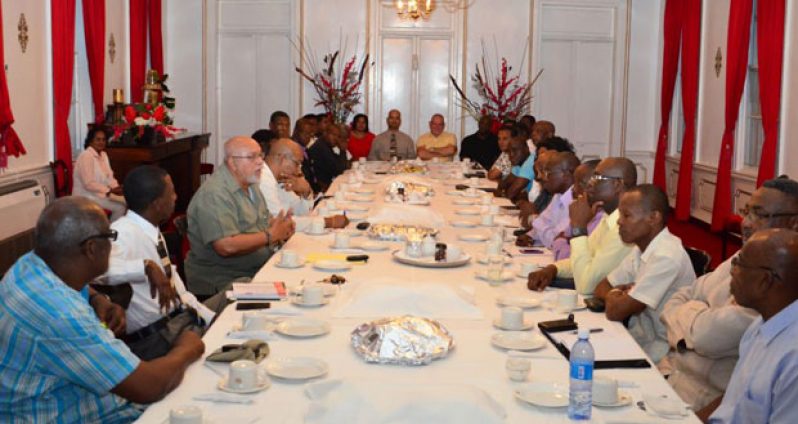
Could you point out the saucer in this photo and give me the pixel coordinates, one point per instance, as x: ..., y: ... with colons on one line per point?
x: 303, y: 327
x: 364, y: 190
x: 518, y: 341
x: 473, y: 237
x: 465, y: 202
x: 476, y: 193
x: 623, y: 400
x: 263, y: 384
x: 454, y: 193
x: 299, y: 301
x: 328, y: 289
x: 528, y: 323
x: 332, y: 265
x: 483, y: 258
x: 372, y: 246
x: 461, y: 223
x: 483, y: 275
x: 356, y: 208
x: 547, y: 395
x: 299, y: 264
x: 468, y: 212
x: 520, y: 302
x: 323, y: 233
x: 301, y: 368
x: 523, y: 275
x: 361, y: 199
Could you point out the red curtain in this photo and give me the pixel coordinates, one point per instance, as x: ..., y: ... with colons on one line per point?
x: 770, y: 43
x: 63, y: 38
x: 156, y: 36
x: 691, y: 46
x: 94, y: 28
x: 672, y: 27
x: 736, y: 67
x: 10, y: 144
x: 138, y: 48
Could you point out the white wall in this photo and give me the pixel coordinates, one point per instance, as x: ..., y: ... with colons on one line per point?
x: 183, y: 61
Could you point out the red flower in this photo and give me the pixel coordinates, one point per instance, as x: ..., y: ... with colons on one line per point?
x: 130, y: 114
x: 160, y: 113
x: 145, y: 115
x: 148, y: 106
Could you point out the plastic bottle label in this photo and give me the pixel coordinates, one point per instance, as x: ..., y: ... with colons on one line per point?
x: 582, y: 371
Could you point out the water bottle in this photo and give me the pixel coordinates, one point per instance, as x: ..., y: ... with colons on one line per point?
x: 580, y: 395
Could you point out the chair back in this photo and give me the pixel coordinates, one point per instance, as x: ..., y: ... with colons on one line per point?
x: 700, y: 260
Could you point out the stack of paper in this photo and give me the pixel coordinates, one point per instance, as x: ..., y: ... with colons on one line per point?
x: 274, y: 290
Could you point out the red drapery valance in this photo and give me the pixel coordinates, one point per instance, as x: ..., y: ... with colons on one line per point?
x: 63, y: 40
x: 770, y: 46
x: 10, y: 144
x: 138, y: 48
x: 156, y: 35
x: 94, y: 28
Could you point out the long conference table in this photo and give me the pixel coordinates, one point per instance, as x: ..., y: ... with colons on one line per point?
x: 474, y: 362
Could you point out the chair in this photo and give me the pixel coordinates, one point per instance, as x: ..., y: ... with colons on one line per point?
x: 732, y: 231
x: 700, y: 260
x: 181, y: 247
x: 61, y: 178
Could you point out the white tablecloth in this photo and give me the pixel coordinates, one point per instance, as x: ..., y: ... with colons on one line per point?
x: 474, y: 361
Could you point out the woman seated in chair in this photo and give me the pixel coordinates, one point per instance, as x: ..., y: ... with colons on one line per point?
x: 93, y: 177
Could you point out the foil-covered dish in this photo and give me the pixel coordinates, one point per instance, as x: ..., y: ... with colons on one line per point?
x: 407, y: 167
x: 405, y: 340
x: 408, y: 188
x: 400, y: 232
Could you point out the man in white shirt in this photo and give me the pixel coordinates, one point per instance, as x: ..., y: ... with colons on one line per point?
x: 704, y: 321
x: 285, y: 188
x: 656, y: 267
x: 594, y: 256
x: 161, y: 308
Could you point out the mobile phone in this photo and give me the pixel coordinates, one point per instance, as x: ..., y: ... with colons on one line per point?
x: 558, y: 325
x: 530, y: 251
x: 248, y: 306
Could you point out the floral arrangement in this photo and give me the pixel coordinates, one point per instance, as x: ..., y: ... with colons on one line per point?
x: 502, y: 97
x: 143, y: 119
x: 337, y: 83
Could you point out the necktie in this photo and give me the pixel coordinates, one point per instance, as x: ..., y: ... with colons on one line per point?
x: 166, y: 263
x: 393, y: 148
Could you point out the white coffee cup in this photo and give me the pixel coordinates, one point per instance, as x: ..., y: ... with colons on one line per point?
x: 331, y: 205
x: 526, y: 268
x: 341, y: 240
x: 493, y: 247
x: 493, y: 209
x: 186, y: 414
x: 353, y: 176
x: 243, y: 375
x: 518, y: 368
x: 453, y: 252
x: 512, y: 317
x: 605, y: 390
x: 317, y: 225
x: 289, y: 257
x: 254, y: 321
x: 312, y: 294
x: 323, y: 211
x: 486, y: 200
x: 473, y: 182
x: 487, y: 219
x: 340, y: 195
x: 566, y: 300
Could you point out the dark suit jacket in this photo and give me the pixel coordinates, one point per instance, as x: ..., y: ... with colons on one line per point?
x: 326, y: 165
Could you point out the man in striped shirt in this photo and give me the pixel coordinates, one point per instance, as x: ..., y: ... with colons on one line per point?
x: 59, y: 362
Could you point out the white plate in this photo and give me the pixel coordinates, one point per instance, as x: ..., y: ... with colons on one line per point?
x: 332, y: 265
x: 482, y: 274
x: 623, y: 400
x: 429, y: 261
x: 372, y: 246
x: 483, y: 259
x: 303, y: 327
x: 299, y: 264
x: 360, y: 199
x: 297, y: 368
x: 465, y: 202
x: 528, y: 323
x: 475, y: 237
x: 357, y: 216
x: 462, y: 223
x: 323, y: 233
x: 454, y: 193
x: 364, y: 190
x: 263, y: 384
x: 518, y: 341
x: 519, y: 302
x: 547, y: 395
x: 328, y: 289
x: 299, y: 301
x: 356, y: 208
x: 470, y: 211
x: 476, y: 193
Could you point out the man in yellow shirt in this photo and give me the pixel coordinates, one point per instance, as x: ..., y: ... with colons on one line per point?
x: 437, y: 143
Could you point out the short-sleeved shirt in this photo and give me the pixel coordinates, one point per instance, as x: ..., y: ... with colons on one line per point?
x: 526, y: 170
x: 58, y: 362
x: 445, y: 139
x: 483, y: 150
x: 657, y: 274
x: 219, y: 209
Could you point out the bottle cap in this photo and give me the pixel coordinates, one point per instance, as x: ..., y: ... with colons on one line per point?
x: 584, y: 333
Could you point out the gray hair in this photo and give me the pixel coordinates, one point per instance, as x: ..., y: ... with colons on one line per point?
x: 64, y: 224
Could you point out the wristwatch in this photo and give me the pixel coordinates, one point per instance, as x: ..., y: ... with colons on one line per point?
x: 578, y: 232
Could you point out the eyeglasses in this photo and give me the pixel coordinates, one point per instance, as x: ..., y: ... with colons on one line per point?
x: 297, y: 163
x: 597, y: 178
x: 737, y: 262
x: 757, y: 214
x: 110, y: 235
x: 260, y: 155
x: 544, y: 173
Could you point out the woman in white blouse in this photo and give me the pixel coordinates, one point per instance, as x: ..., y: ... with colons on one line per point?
x: 93, y: 177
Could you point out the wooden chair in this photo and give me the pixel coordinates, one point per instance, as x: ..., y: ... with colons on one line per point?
x: 700, y: 260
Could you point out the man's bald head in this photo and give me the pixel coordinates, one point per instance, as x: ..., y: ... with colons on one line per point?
x: 777, y: 249
x: 64, y: 224
x: 239, y: 145
x: 619, y: 167
x: 765, y: 272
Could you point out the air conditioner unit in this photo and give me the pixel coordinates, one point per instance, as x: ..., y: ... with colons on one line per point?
x: 20, y: 206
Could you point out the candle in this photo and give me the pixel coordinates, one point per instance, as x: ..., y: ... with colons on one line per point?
x: 119, y: 95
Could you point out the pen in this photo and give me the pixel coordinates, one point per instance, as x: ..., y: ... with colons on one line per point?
x: 592, y: 330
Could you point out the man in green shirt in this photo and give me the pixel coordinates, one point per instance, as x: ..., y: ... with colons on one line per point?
x: 229, y: 227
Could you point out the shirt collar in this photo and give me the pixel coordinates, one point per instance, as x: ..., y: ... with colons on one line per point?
x: 93, y: 152
x: 567, y: 197
x: 229, y: 182
x: 146, y: 226
x: 652, y: 246
x: 779, y: 322
x: 612, y: 219
x: 267, y: 176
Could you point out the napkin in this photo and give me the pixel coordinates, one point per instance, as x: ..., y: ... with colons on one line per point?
x: 254, y: 350
x: 251, y: 334
x: 338, y: 401
x: 217, y: 397
x: 387, y: 299
x: 665, y: 407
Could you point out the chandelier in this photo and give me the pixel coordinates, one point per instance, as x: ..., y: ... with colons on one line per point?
x: 414, y: 9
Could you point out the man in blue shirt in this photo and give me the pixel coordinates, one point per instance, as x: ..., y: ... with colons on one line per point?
x: 764, y: 385
x: 59, y: 362
x: 522, y: 172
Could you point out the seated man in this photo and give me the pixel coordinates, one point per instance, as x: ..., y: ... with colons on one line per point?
x: 392, y: 143
x: 229, y: 228
x: 561, y: 247
x: 705, y: 322
x: 593, y: 257
x: 160, y: 308
x: 541, y: 131
x: 522, y: 173
x: 764, y: 385
x: 328, y: 156
x: 279, y: 127
x: 437, y: 143
x: 481, y: 147
x: 59, y: 362
x: 502, y: 166
x: 557, y: 177
x: 285, y: 189
x: 656, y: 267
